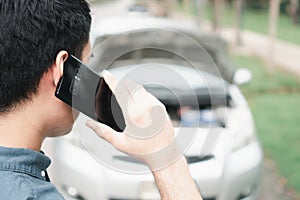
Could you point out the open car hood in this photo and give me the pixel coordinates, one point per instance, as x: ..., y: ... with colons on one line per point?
x: 124, y: 41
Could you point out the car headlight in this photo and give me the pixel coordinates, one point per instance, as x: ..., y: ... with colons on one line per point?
x: 241, y: 126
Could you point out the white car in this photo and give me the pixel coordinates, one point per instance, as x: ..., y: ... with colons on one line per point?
x: 216, y: 134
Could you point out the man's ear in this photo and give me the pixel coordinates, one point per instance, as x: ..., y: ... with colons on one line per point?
x: 58, y: 67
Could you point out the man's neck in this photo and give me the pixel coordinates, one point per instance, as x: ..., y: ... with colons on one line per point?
x: 18, y: 130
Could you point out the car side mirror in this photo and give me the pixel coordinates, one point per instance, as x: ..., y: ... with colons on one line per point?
x: 242, y: 76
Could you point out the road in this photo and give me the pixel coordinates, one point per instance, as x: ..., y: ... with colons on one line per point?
x: 273, y: 185
x: 285, y: 55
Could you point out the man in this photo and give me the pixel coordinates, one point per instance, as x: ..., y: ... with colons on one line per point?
x: 36, y: 38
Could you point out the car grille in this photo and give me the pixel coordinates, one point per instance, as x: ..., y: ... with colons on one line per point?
x: 196, y: 159
x: 139, y: 199
x: 190, y: 159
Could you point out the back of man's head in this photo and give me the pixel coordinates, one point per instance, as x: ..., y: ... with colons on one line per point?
x: 32, y: 33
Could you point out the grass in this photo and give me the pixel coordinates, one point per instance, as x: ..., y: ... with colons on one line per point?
x: 258, y: 21
x: 275, y: 103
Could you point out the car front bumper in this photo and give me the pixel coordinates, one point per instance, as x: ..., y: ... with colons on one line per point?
x: 232, y: 176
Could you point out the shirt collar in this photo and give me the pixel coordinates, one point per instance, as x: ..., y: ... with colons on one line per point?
x: 25, y: 161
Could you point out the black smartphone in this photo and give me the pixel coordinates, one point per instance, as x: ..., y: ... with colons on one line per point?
x: 87, y: 92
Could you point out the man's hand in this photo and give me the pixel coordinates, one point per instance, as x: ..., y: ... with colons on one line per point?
x: 149, y: 136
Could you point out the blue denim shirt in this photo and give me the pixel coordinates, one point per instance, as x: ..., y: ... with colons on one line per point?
x: 22, y: 176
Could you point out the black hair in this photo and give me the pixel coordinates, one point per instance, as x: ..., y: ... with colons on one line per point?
x: 32, y: 33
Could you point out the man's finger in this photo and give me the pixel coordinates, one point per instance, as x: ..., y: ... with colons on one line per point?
x: 111, y: 81
x: 117, y: 87
x: 134, y: 89
x: 104, y: 132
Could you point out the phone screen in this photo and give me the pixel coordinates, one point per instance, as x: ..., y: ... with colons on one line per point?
x: 87, y: 92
